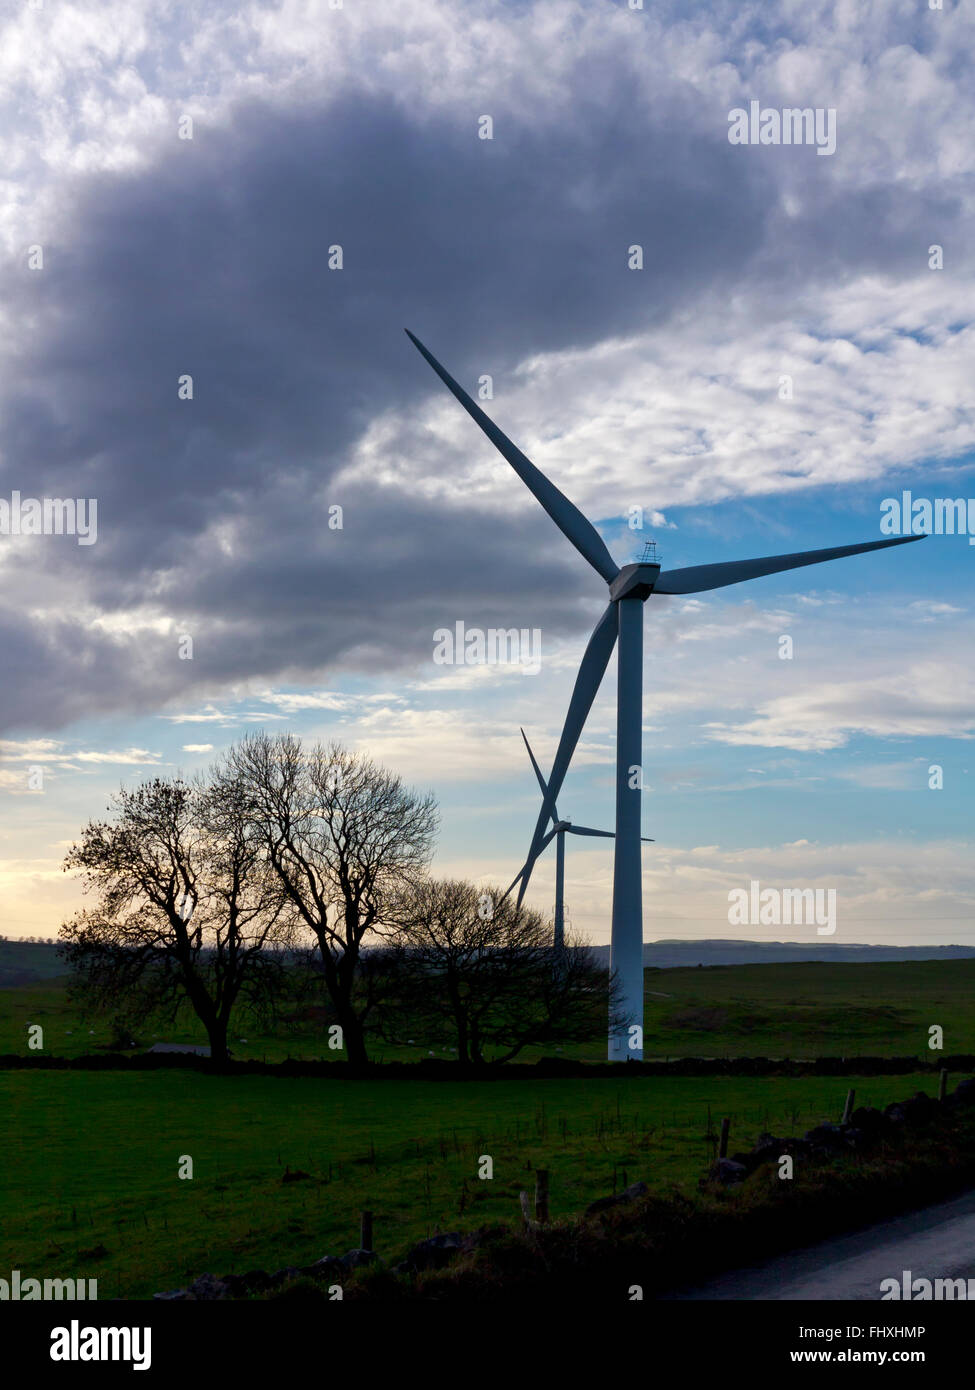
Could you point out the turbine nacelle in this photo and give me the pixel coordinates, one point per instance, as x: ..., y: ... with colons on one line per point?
x: 634, y: 581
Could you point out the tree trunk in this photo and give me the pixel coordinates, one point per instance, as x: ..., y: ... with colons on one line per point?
x: 217, y: 1035
x: 354, y: 1037
x: 208, y: 1014
x: 460, y: 1017
x: 340, y: 981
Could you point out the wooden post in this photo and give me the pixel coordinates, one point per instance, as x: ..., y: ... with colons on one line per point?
x: 526, y: 1211
x: 723, y: 1145
x: 848, y: 1107
x: 365, y: 1231
x: 541, y: 1194
x: 943, y: 1086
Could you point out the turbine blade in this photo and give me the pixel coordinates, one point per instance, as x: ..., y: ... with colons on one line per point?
x: 566, y: 515
x: 591, y: 671
x: 538, y: 774
x: 604, y: 834
x: 548, y: 839
x: 695, y: 579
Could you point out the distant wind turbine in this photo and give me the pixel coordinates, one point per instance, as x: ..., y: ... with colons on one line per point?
x: 629, y: 589
x: 561, y: 828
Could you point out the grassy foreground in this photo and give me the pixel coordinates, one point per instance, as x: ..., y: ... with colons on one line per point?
x: 90, y: 1188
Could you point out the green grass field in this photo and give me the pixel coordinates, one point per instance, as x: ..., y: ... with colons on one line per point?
x: 809, y: 1010
x: 92, y: 1159
x: 801, y: 1010
x: 90, y: 1185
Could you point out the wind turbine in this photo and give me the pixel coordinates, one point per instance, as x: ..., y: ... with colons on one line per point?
x: 629, y: 588
x: 561, y: 828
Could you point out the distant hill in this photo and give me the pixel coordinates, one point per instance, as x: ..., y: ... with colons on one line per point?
x: 26, y: 962
x: 29, y: 962
x: 670, y: 955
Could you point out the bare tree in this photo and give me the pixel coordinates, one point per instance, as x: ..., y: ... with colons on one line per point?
x: 343, y: 835
x: 187, y: 906
x: 475, y: 963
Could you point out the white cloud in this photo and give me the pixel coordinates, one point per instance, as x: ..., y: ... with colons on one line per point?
x: 913, y: 703
x: 291, y: 702
x: 130, y: 756
x: 46, y: 750
x: 211, y: 715
x: 691, y: 415
x: 25, y: 750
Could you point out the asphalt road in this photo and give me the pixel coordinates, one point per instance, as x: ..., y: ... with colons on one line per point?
x: 934, y: 1243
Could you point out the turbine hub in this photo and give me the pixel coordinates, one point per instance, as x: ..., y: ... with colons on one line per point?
x: 634, y: 581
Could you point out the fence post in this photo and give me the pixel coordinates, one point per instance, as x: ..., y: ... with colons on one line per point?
x: 848, y: 1107
x: 723, y: 1145
x: 541, y: 1194
x: 943, y: 1085
x: 526, y: 1211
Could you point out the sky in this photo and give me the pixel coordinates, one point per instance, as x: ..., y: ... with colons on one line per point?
x: 215, y: 223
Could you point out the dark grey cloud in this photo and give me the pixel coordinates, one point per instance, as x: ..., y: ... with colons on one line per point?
x: 213, y: 261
